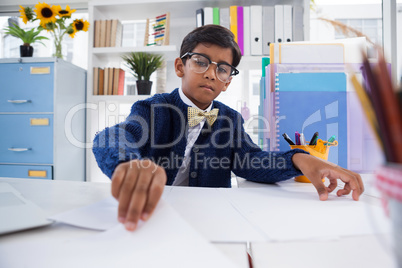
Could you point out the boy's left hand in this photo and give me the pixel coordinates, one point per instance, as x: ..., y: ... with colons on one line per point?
x: 316, y: 169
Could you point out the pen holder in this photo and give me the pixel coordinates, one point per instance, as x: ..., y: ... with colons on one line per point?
x: 389, y: 182
x: 320, y: 150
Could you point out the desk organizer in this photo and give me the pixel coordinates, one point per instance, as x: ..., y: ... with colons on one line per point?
x: 320, y: 150
x: 389, y: 182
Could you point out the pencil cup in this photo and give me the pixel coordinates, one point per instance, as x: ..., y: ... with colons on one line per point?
x: 320, y: 150
x: 389, y: 182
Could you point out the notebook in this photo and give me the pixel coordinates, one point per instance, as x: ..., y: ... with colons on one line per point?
x: 17, y: 213
x: 309, y: 103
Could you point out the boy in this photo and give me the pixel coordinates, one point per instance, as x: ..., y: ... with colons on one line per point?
x: 187, y: 138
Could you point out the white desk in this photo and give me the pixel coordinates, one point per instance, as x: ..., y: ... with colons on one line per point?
x: 58, y: 196
x: 352, y: 251
x: 357, y: 251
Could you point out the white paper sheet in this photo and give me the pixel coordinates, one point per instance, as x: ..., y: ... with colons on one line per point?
x: 165, y: 240
x: 100, y: 216
x: 211, y: 213
x: 293, y: 213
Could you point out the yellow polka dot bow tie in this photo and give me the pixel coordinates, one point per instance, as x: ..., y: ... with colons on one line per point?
x: 195, y: 116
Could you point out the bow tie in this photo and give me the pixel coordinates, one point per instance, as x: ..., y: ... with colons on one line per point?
x: 195, y: 116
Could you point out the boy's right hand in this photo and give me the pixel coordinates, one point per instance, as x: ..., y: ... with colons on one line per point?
x: 137, y: 185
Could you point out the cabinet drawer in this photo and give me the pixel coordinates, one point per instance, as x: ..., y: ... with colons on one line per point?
x: 26, y: 87
x: 24, y: 171
x: 26, y: 138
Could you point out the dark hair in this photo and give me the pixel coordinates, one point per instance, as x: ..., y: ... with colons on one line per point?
x: 212, y: 34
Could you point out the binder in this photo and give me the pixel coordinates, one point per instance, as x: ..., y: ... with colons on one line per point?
x: 278, y: 23
x: 97, y: 32
x: 101, y: 76
x: 108, y: 32
x: 287, y: 23
x: 116, y: 76
x: 233, y: 20
x: 298, y: 23
x: 96, y: 81
x: 246, y: 30
x: 312, y: 81
x: 122, y: 75
x: 116, y: 33
x: 106, y: 81
x: 306, y: 52
x: 312, y: 110
x: 256, y: 29
x: 224, y: 17
x: 110, y: 85
x: 102, y: 42
x: 268, y: 28
x: 199, y: 15
x: 215, y: 12
x: 240, y: 30
x: 208, y: 15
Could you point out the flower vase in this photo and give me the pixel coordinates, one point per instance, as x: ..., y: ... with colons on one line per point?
x: 58, y: 48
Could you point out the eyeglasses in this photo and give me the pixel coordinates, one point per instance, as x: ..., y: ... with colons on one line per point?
x: 200, y: 63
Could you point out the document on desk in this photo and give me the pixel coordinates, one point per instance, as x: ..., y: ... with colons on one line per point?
x: 294, y: 213
x: 213, y: 215
x: 99, y: 216
x: 165, y: 240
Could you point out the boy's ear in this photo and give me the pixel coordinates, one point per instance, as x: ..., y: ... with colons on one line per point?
x: 227, y: 84
x: 179, y: 67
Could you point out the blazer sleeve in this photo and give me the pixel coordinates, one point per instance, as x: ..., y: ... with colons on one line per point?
x: 253, y: 164
x: 122, y: 142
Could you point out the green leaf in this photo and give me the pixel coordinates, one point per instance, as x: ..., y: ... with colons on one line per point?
x: 143, y: 64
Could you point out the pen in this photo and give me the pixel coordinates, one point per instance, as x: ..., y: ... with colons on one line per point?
x: 313, y: 140
x: 287, y: 138
x: 302, y: 139
x: 332, y: 138
x: 297, y: 138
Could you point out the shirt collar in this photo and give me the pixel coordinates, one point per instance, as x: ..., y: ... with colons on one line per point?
x: 190, y: 103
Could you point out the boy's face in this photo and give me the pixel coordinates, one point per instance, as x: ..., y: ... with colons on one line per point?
x: 203, y: 88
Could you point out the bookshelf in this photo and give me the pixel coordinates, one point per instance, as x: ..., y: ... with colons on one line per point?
x: 182, y: 20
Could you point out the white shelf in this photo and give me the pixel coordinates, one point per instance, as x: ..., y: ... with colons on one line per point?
x: 169, y: 52
x: 183, y: 20
x: 122, y: 50
x: 120, y: 98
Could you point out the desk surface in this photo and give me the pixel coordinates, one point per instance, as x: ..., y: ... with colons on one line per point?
x: 358, y: 251
x: 58, y: 196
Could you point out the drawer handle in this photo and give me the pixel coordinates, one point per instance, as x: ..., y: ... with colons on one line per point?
x: 37, y: 173
x: 19, y: 149
x: 19, y: 101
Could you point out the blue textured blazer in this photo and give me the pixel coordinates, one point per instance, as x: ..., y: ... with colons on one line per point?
x: 157, y: 129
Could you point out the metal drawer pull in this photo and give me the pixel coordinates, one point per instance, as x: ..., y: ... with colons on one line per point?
x: 19, y: 101
x: 19, y: 149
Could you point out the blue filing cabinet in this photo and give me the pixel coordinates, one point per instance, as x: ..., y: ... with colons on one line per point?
x: 42, y: 119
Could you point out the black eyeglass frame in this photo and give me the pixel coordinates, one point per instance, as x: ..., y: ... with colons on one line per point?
x: 190, y: 54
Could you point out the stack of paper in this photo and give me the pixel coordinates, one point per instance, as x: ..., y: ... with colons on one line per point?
x: 166, y: 240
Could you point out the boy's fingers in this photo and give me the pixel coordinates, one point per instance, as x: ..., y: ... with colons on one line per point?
x: 139, y: 196
x: 126, y: 191
x: 332, y: 185
x: 345, y: 191
x: 155, y: 192
x: 353, y: 182
x: 320, y: 187
x: 117, y: 180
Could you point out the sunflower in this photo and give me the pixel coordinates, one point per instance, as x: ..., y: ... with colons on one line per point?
x: 80, y: 25
x: 65, y: 12
x: 26, y: 14
x: 45, y: 13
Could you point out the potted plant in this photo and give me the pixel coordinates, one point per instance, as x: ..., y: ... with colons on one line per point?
x: 28, y: 37
x: 142, y: 65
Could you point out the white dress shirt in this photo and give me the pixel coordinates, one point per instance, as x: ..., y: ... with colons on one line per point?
x: 193, y: 133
